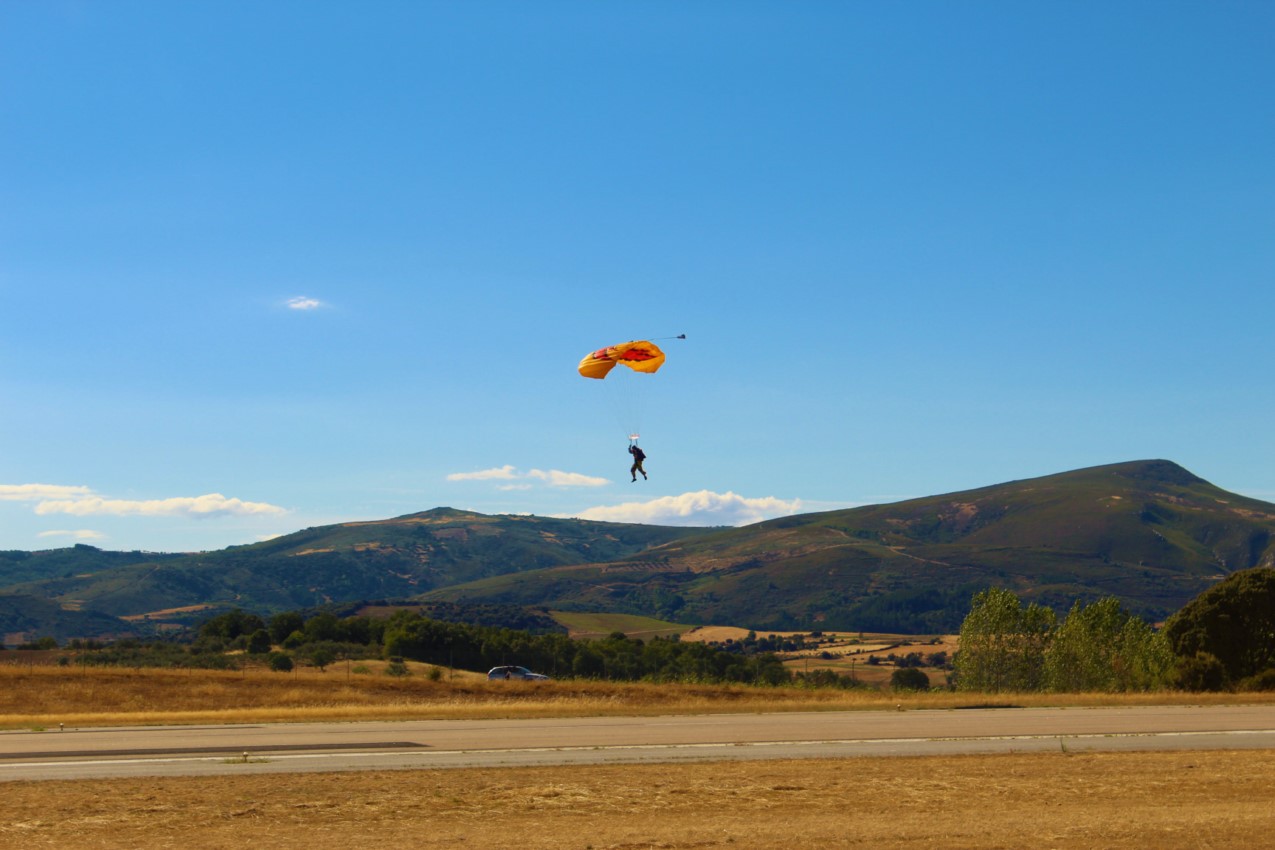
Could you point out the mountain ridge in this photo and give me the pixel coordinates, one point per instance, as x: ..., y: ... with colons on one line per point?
x: 1149, y: 532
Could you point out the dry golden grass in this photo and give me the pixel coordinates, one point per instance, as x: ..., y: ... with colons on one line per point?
x: 1139, y: 800
x: 46, y: 695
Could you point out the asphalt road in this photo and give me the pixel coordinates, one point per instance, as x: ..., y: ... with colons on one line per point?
x: 274, y: 748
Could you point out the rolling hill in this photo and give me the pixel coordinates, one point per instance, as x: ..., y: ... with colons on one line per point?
x: 384, y: 559
x: 1148, y: 532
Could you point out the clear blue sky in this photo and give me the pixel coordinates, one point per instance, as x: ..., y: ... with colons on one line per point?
x: 271, y: 265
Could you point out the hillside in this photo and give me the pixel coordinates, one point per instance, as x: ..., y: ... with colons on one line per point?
x: 385, y: 559
x: 1148, y: 532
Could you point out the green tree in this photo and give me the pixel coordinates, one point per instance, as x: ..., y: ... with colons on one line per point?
x: 909, y: 679
x: 1003, y: 644
x: 259, y: 642
x: 1201, y: 672
x: 224, y: 628
x: 1233, y: 621
x: 284, y: 624
x: 1102, y: 647
x: 321, y: 657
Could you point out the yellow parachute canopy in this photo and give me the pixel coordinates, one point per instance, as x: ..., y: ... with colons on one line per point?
x: 639, y: 355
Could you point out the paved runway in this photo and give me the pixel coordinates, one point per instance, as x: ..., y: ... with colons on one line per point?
x: 273, y: 748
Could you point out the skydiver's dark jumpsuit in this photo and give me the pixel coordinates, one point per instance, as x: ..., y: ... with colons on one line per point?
x: 638, y: 457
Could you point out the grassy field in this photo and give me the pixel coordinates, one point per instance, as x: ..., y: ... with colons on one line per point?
x: 39, y: 696
x: 1057, y: 800
x: 1170, y: 801
x: 581, y: 624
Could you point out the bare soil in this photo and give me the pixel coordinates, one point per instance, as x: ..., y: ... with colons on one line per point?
x: 1139, y: 800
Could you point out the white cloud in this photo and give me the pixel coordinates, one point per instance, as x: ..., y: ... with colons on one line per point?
x: 551, y: 477
x: 701, y: 508
x: 558, y: 478
x: 38, y: 492
x: 81, y: 534
x: 198, y: 507
x: 301, y: 302
x: 500, y: 473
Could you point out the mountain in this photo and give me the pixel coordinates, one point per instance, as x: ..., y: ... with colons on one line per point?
x: 383, y: 559
x: 1148, y: 532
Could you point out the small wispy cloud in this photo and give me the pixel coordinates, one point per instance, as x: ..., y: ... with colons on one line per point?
x: 551, y: 477
x: 558, y: 478
x: 80, y: 534
x: 700, y: 508
x: 499, y: 473
x: 38, y: 492
x: 302, y: 302
x: 82, y: 501
x: 196, y: 507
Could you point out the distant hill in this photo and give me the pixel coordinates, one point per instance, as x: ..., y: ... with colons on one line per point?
x: 1148, y: 532
x: 384, y: 559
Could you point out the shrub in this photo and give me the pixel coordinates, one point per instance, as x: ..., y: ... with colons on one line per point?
x: 280, y: 662
x: 909, y: 679
x: 1263, y: 681
x: 1201, y: 672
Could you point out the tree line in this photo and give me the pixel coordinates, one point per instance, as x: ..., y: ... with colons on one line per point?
x: 1224, y: 638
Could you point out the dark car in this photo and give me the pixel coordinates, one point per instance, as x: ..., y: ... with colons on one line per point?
x: 515, y: 673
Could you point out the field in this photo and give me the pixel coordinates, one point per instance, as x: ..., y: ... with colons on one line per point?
x: 1162, y: 800
x: 38, y: 696
x: 582, y: 624
x: 846, y: 653
x: 1060, y: 800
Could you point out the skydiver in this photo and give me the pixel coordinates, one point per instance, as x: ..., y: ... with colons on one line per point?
x: 638, y: 457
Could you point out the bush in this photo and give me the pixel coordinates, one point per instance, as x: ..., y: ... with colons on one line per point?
x: 1201, y: 672
x: 1264, y: 681
x: 280, y: 662
x: 909, y: 679
x: 396, y: 668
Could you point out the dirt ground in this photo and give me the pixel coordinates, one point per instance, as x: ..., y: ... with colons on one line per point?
x: 1057, y: 800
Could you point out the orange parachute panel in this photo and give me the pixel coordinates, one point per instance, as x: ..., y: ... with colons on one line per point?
x: 639, y: 355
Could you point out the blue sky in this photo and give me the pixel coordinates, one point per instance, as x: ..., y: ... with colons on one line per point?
x: 265, y: 266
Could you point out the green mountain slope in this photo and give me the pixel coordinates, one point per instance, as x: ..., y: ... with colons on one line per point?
x: 392, y: 558
x: 1148, y: 532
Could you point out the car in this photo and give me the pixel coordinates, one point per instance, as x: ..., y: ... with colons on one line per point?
x: 511, y: 672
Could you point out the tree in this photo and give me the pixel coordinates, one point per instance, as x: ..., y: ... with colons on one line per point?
x: 909, y: 679
x: 230, y: 625
x: 284, y: 624
x: 1003, y: 644
x: 1102, y: 647
x: 1233, y: 621
x: 321, y: 657
x: 1201, y: 672
x: 280, y: 662
x: 259, y: 642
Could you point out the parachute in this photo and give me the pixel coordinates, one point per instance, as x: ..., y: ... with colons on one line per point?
x: 639, y: 355
x: 626, y: 396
